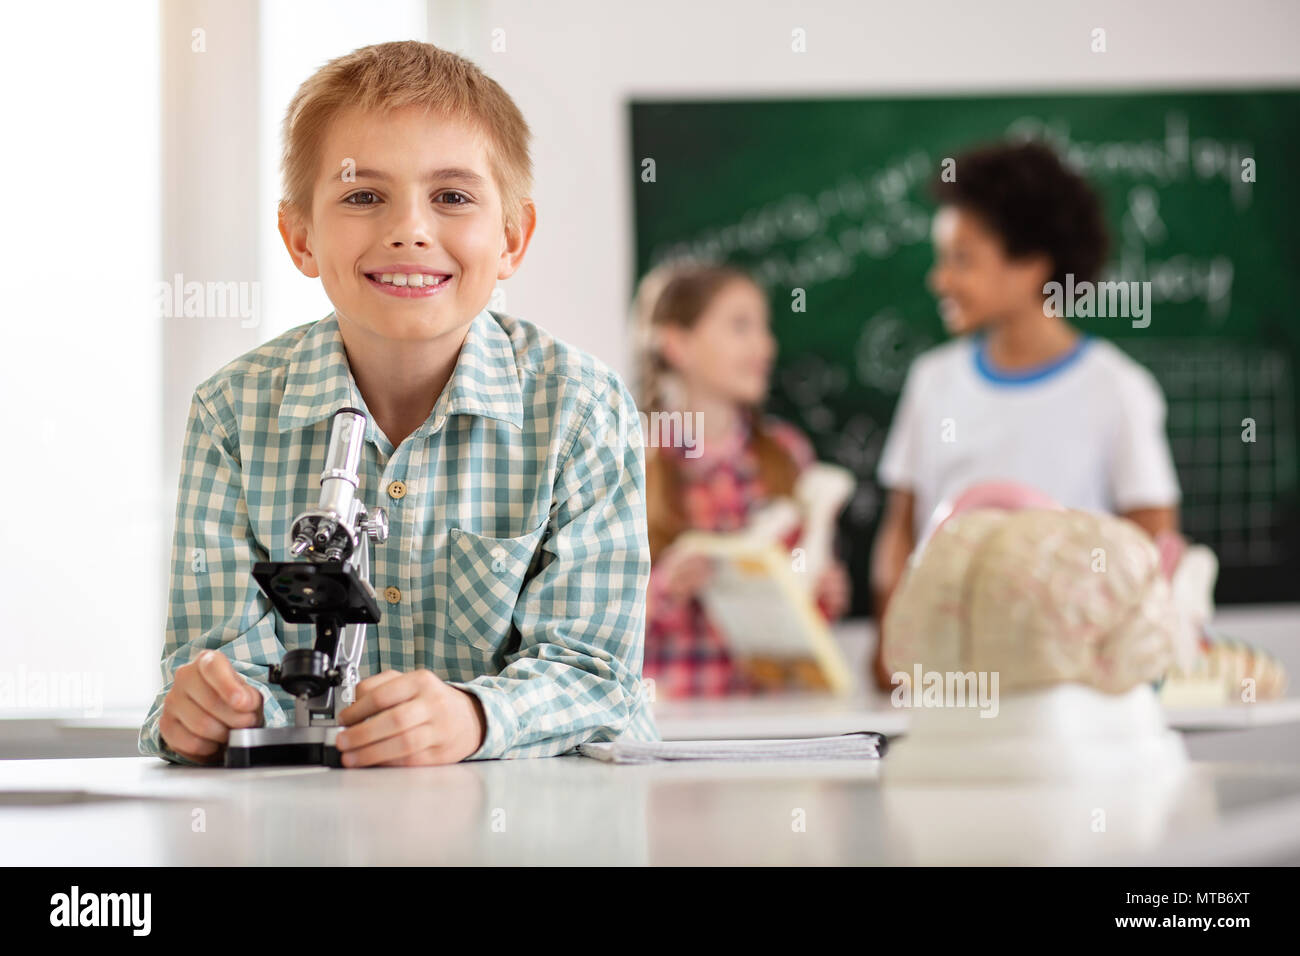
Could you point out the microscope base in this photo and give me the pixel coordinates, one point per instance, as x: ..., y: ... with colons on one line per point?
x: 283, y: 746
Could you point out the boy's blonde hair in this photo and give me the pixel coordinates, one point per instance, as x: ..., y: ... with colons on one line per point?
x: 388, y: 76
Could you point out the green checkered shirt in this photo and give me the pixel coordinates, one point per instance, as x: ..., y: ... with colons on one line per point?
x: 519, y: 547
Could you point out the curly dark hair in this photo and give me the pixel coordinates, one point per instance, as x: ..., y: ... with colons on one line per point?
x: 1037, y: 204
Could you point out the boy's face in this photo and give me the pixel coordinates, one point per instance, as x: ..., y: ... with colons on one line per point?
x: 976, y: 282
x: 406, y: 193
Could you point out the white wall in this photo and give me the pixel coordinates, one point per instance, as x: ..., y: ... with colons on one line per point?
x: 572, y: 65
x: 80, y: 358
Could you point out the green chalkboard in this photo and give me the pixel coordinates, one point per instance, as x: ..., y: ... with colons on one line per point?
x: 832, y: 196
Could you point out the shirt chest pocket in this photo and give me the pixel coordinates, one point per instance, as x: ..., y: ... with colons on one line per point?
x: 484, y: 578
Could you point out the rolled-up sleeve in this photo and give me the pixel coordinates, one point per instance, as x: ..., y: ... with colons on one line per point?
x: 576, y: 674
x: 213, y: 599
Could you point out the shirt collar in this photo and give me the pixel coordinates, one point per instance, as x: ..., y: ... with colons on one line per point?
x: 484, y: 382
x: 729, y: 451
x: 1024, y: 376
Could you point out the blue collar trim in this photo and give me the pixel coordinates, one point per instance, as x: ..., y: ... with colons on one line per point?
x: 1025, y: 376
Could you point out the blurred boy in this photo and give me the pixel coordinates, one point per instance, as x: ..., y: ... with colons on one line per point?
x: 1021, y: 394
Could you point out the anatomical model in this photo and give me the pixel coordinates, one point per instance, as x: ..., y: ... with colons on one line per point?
x: 1073, y: 618
x: 1008, y: 580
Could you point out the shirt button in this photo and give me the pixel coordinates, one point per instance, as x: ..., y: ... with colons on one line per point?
x: 392, y: 595
x: 397, y: 489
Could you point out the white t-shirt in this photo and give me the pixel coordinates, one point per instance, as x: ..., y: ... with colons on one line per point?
x: 1086, y: 429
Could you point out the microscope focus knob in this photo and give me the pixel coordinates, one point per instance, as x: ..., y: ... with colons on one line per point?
x: 375, y: 524
x: 305, y: 671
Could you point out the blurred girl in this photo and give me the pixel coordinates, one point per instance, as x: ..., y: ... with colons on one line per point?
x: 707, y: 353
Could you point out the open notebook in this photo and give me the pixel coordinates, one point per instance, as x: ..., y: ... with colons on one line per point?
x: 855, y: 746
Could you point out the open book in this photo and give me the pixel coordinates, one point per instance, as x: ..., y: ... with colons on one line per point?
x: 761, y: 596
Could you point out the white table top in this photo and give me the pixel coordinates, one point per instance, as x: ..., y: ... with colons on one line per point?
x: 816, y: 716
x: 142, y: 811
x: 571, y: 810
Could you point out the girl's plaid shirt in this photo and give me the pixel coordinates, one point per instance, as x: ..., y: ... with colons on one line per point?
x: 685, y: 654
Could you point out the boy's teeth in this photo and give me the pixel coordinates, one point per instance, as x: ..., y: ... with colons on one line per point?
x: 418, y: 280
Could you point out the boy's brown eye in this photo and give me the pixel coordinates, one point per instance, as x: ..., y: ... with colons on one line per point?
x: 354, y: 196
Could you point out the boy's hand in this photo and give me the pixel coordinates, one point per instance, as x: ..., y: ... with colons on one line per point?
x: 206, y: 700
x: 410, y: 720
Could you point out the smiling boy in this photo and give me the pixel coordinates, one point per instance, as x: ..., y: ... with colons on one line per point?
x: 517, y: 560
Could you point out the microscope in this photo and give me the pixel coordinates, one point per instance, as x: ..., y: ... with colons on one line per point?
x: 326, y: 584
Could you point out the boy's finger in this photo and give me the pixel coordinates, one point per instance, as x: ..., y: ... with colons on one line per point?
x: 387, y: 723
x: 391, y: 748
x: 200, y: 723
x: 380, y: 694
x: 376, y: 680
x: 174, y: 735
x: 219, y: 673
x: 205, y: 697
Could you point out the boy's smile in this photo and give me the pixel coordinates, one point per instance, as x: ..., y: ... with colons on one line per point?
x: 976, y: 282
x: 406, y: 230
x: 408, y: 281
